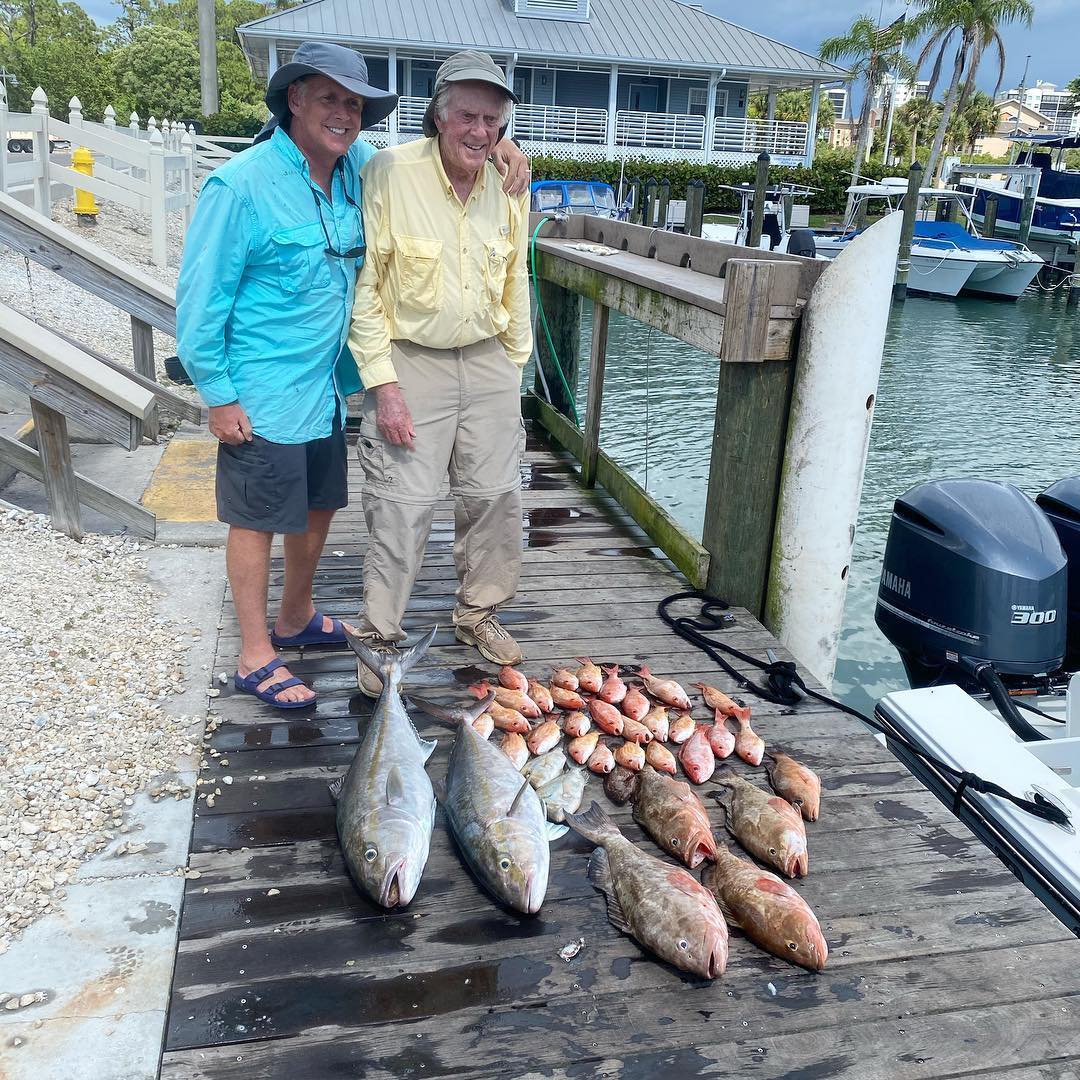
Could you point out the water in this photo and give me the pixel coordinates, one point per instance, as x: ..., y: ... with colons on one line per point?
x: 968, y: 388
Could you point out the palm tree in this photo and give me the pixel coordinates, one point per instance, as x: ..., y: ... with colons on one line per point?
x: 977, y: 117
x: 870, y: 54
x: 971, y: 27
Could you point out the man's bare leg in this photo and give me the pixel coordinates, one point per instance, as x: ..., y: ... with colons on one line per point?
x: 302, y: 553
x: 247, y: 562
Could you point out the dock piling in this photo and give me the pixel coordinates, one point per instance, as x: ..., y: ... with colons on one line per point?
x: 990, y: 216
x: 648, y: 204
x: 663, y: 197
x: 562, y: 308
x: 695, y: 207
x: 757, y: 213
x: 1027, y: 211
x: 907, y: 231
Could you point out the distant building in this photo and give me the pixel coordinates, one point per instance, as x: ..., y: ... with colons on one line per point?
x: 840, y: 101
x: 1013, y: 119
x: 596, y: 78
x: 900, y: 91
x: 1058, y: 106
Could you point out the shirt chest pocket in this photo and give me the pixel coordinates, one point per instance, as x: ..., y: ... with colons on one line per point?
x: 300, y: 254
x: 496, y: 259
x: 419, y: 267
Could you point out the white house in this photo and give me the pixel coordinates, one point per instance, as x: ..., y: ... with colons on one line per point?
x: 597, y: 78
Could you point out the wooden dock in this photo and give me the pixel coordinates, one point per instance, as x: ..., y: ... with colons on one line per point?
x: 941, y: 964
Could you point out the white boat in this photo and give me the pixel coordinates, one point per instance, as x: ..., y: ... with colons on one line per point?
x: 947, y: 258
x: 975, y: 595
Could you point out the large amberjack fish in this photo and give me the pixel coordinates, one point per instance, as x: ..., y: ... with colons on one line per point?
x: 767, y: 910
x: 769, y: 827
x: 495, y: 815
x: 385, y: 802
x: 674, y: 817
x: 661, y: 906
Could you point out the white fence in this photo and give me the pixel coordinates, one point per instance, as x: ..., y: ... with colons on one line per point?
x: 556, y: 123
x: 152, y: 170
x: 738, y: 136
x: 673, y: 131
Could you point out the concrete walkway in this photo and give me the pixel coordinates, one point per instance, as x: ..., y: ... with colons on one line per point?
x: 100, y: 967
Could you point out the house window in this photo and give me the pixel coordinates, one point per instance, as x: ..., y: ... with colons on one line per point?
x: 697, y: 101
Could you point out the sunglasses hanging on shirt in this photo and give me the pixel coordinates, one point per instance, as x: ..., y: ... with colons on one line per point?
x: 357, y: 252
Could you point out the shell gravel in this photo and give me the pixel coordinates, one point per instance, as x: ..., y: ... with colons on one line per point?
x: 88, y: 660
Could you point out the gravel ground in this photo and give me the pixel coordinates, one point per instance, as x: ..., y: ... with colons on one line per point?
x: 88, y: 659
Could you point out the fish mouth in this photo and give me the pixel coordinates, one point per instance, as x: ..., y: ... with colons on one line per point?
x: 392, y: 893
x: 717, y: 962
x: 704, y: 847
x: 535, y: 888
x: 798, y: 865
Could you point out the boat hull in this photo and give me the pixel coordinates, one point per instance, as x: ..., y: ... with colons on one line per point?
x: 935, y: 275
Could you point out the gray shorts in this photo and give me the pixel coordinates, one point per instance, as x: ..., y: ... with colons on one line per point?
x: 270, y: 487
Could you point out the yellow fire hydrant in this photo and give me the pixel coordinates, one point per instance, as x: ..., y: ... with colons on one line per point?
x: 85, y: 207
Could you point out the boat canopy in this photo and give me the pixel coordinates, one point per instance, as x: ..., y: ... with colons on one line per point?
x: 1049, y: 142
x: 888, y: 190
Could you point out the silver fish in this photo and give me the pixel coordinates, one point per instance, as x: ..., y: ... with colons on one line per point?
x: 495, y: 815
x: 544, y: 768
x: 385, y: 802
x: 563, y: 795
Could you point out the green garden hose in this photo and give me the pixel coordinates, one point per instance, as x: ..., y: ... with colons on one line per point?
x: 544, y: 322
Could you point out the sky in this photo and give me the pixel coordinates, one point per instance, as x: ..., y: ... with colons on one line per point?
x: 1051, y: 41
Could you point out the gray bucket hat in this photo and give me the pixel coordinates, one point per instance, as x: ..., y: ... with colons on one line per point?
x: 344, y: 66
x: 467, y: 66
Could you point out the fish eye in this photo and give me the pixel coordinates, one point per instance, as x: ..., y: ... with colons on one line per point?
x: 674, y: 841
x: 504, y: 864
x: 792, y: 946
x: 371, y: 853
x: 683, y: 944
x: 772, y: 851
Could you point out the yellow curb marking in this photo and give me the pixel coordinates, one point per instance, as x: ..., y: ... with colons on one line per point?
x: 182, y: 487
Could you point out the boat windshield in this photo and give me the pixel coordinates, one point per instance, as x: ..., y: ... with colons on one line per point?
x: 547, y: 198
x: 579, y: 195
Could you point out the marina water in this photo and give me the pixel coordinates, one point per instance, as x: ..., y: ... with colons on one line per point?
x: 968, y: 387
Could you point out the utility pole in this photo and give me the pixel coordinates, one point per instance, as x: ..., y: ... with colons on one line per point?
x: 208, y: 82
x: 1020, y: 103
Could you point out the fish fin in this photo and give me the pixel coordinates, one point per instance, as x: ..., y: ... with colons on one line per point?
x: 593, y: 824
x: 335, y: 787
x: 395, y: 786
x: 555, y: 831
x: 375, y: 659
x: 453, y: 717
x: 516, y: 805
x: 427, y: 746
x: 600, y: 876
x: 411, y: 657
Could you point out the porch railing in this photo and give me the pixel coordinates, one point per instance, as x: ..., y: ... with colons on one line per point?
x: 558, y: 123
x: 734, y: 135
x: 410, y: 113
x: 674, y: 131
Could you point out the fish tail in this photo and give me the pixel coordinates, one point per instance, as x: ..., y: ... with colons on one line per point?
x: 413, y: 656
x: 593, y: 824
x: 379, y: 661
x: 454, y: 716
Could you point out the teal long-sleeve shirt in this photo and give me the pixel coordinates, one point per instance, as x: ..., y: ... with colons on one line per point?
x: 262, y: 311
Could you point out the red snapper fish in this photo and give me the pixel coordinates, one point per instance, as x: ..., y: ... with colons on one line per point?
x: 769, y: 827
x: 666, y: 690
x: 541, y: 695
x: 630, y: 756
x: 795, y: 782
x: 576, y: 724
x: 509, y: 699
x: 749, y: 745
x: 696, y: 755
x: 681, y: 728
x: 589, y: 676
x: 674, y: 817
x: 660, y: 757
x: 601, y: 760
x: 566, y: 699
x: 635, y: 732
x: 662, y: 907
x: 656, y: 720
x: 607, y: 717
x: 543, y: 737
x: 717, y: 699
x: 721, y: 739
x: 767, y: 910
x: 614, y: 689
x: 635, y: 704
x: 564, y: 679
x: 507, y: 719
x: 512, y: 679
x: 581, y: 748
x: 513, y: 746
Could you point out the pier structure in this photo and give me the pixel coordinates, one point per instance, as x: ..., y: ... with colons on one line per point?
x: 941, y: 964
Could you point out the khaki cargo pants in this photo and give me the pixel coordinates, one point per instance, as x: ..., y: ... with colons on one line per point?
x: 466, y: 411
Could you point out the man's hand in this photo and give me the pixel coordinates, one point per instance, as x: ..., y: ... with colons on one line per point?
x: 229, y: 424
x: 513, y: 166
x: 392, y: 416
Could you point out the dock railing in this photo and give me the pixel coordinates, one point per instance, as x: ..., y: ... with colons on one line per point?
x: 740, y: 305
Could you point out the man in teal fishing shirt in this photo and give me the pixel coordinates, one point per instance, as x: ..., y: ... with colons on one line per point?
x: 265, y: 290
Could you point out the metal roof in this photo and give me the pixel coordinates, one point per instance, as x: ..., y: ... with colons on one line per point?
x: 617, y: 31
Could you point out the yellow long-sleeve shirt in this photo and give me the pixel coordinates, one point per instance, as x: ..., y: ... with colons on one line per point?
x: 438, y: 273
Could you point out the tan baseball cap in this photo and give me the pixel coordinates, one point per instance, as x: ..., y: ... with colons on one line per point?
x: 466, y: 66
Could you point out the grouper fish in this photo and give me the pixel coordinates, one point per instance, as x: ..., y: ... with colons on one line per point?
x: 495, y: 815
x: 385, y: 802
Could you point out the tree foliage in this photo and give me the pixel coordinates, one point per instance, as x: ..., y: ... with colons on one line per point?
x: 793, y: 105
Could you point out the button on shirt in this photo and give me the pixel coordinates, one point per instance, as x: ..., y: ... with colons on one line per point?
x: 261, y: 309
x: 438, y: 273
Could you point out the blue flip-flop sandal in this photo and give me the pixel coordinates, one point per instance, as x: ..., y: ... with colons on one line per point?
x: 312, y: 634
x: 249, y: 684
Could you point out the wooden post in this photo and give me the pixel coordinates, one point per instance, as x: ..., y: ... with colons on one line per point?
x: 42, y: 193
x: 695, y: 207
x: 597, y: 362
x: 54, y: 447
x: 757, y: 212
x: 208, y: 73
x: 663, y: 198
x: 158, y: 217
x: 142, y: 343
x: 648, y: 204
x: 562, y: 309
x: 753, y: 397
x: 990, y: 216
x: 907, y: 231
x: 1027, y: 211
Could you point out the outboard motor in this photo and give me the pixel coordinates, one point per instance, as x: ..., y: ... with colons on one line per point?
x: 1060, y: 502
x: 801, y: 242
x: 973, y: 587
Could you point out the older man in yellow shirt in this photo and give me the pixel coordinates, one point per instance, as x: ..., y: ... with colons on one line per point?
x: 441, y: 331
